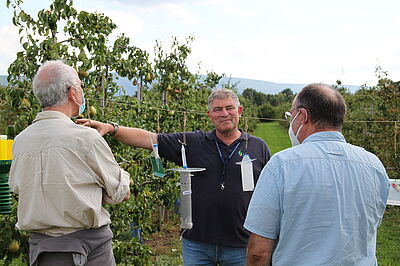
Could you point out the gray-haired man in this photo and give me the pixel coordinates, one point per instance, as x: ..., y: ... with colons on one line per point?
x: 219, y: 203
x: 63, y: 172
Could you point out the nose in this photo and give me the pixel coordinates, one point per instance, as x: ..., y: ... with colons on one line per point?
x: 224, y: 112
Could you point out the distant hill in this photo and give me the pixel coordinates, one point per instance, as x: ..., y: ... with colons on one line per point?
x: 266, y: 87
x: 3, y: 80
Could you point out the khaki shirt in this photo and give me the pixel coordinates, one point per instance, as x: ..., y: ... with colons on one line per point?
x: 63, y: 172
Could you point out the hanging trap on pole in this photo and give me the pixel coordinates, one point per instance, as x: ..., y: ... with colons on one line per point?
x: 186, y: 190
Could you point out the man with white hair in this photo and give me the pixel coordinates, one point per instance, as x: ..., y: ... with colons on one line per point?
x: 63, y: 173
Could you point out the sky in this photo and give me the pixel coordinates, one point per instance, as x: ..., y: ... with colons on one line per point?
x: 282, y: 41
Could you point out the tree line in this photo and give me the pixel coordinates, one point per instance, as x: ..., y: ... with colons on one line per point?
x: 372, y: 120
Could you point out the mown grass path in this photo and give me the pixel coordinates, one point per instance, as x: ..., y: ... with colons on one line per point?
x: 274, y: 135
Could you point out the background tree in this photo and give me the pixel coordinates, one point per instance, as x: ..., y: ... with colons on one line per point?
x: 373, y: 115
x: 255, y: 97
x: 169, y: 99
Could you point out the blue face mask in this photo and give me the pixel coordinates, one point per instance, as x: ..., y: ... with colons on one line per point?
x: 83, y: 105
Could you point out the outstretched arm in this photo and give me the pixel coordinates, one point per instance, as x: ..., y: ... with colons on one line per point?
x: 135, y: 137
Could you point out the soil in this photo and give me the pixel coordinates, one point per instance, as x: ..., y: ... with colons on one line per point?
x: 167, y: 240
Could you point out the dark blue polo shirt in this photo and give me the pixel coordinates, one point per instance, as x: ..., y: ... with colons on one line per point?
x: 217, y: 215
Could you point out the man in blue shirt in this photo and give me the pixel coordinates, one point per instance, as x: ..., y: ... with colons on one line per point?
x: 321, y: 202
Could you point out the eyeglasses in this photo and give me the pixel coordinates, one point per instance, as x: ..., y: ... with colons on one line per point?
x: 288, y: 116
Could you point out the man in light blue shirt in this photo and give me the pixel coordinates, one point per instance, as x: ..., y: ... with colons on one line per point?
x: 321, y: 202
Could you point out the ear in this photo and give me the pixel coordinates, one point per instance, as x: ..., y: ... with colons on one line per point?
x: 71, y: 92
x: 209, y: 114
x: 72, y: 95
x: 240, y: 110
x: 306, y: 115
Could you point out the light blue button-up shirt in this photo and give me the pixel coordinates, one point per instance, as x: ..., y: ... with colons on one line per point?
x: 323, y: 200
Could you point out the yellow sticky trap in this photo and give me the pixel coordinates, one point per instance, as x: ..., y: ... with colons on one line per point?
x: 9, y: 149
x: 3, y: 149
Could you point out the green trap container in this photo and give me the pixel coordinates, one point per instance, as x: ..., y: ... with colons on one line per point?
x: 5, y: 191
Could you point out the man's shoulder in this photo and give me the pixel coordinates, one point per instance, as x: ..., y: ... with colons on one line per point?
x: 282, y: 155
x: 24, y: 133
x: 88, y: 136
x: 256, y: 139
x: 291, y: 153
x: 79, y: 132
x: 362, y: 155
x: 80, y: 129
x: 311, y: 150
x: 180, y: 135
x: 68, y: 132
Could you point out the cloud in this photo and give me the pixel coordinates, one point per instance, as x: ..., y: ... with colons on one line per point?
x: 144, y: 3
x: 258, y: 40
x: 238, y: 12
x: 280, y: 60
x: 181, y: 13
x: 127, y: 23
x: 9, y: 47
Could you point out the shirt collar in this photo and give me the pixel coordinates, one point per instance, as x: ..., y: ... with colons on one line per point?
x: 325, y: 136
x: 51, y: 115
x: 212, y: 135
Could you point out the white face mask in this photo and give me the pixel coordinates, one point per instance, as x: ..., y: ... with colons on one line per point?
x: 293, y: 137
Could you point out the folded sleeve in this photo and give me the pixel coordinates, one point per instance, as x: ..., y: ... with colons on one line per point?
x: 111, y: 178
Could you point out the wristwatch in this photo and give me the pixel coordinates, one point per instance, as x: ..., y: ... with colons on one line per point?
x: 116, y: 127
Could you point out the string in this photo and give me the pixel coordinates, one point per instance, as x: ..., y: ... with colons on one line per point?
x: 158, y: 122
x: 246, y: 128
x: 88, y: 113
x: 395, y: 139
x: 184, y: 127
x: 183, y: 231
x: 248, y: 117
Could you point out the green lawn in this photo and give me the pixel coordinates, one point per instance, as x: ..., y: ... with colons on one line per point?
x: 388, y: 242
x: 274, y: 135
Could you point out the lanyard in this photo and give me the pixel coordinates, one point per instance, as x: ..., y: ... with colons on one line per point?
x: 224, y: 162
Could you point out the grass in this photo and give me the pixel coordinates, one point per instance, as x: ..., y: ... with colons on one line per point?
x: 166, y: 243
x: 274, y: 135
x: 387, y: 244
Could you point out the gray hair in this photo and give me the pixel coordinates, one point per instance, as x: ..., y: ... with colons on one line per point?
x: 52, y: 82
x: 222, y: 94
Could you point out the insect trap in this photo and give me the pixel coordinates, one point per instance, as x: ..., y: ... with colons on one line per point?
x: 186, y: 190
x: 246, y: 166
x: 155, y: 160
